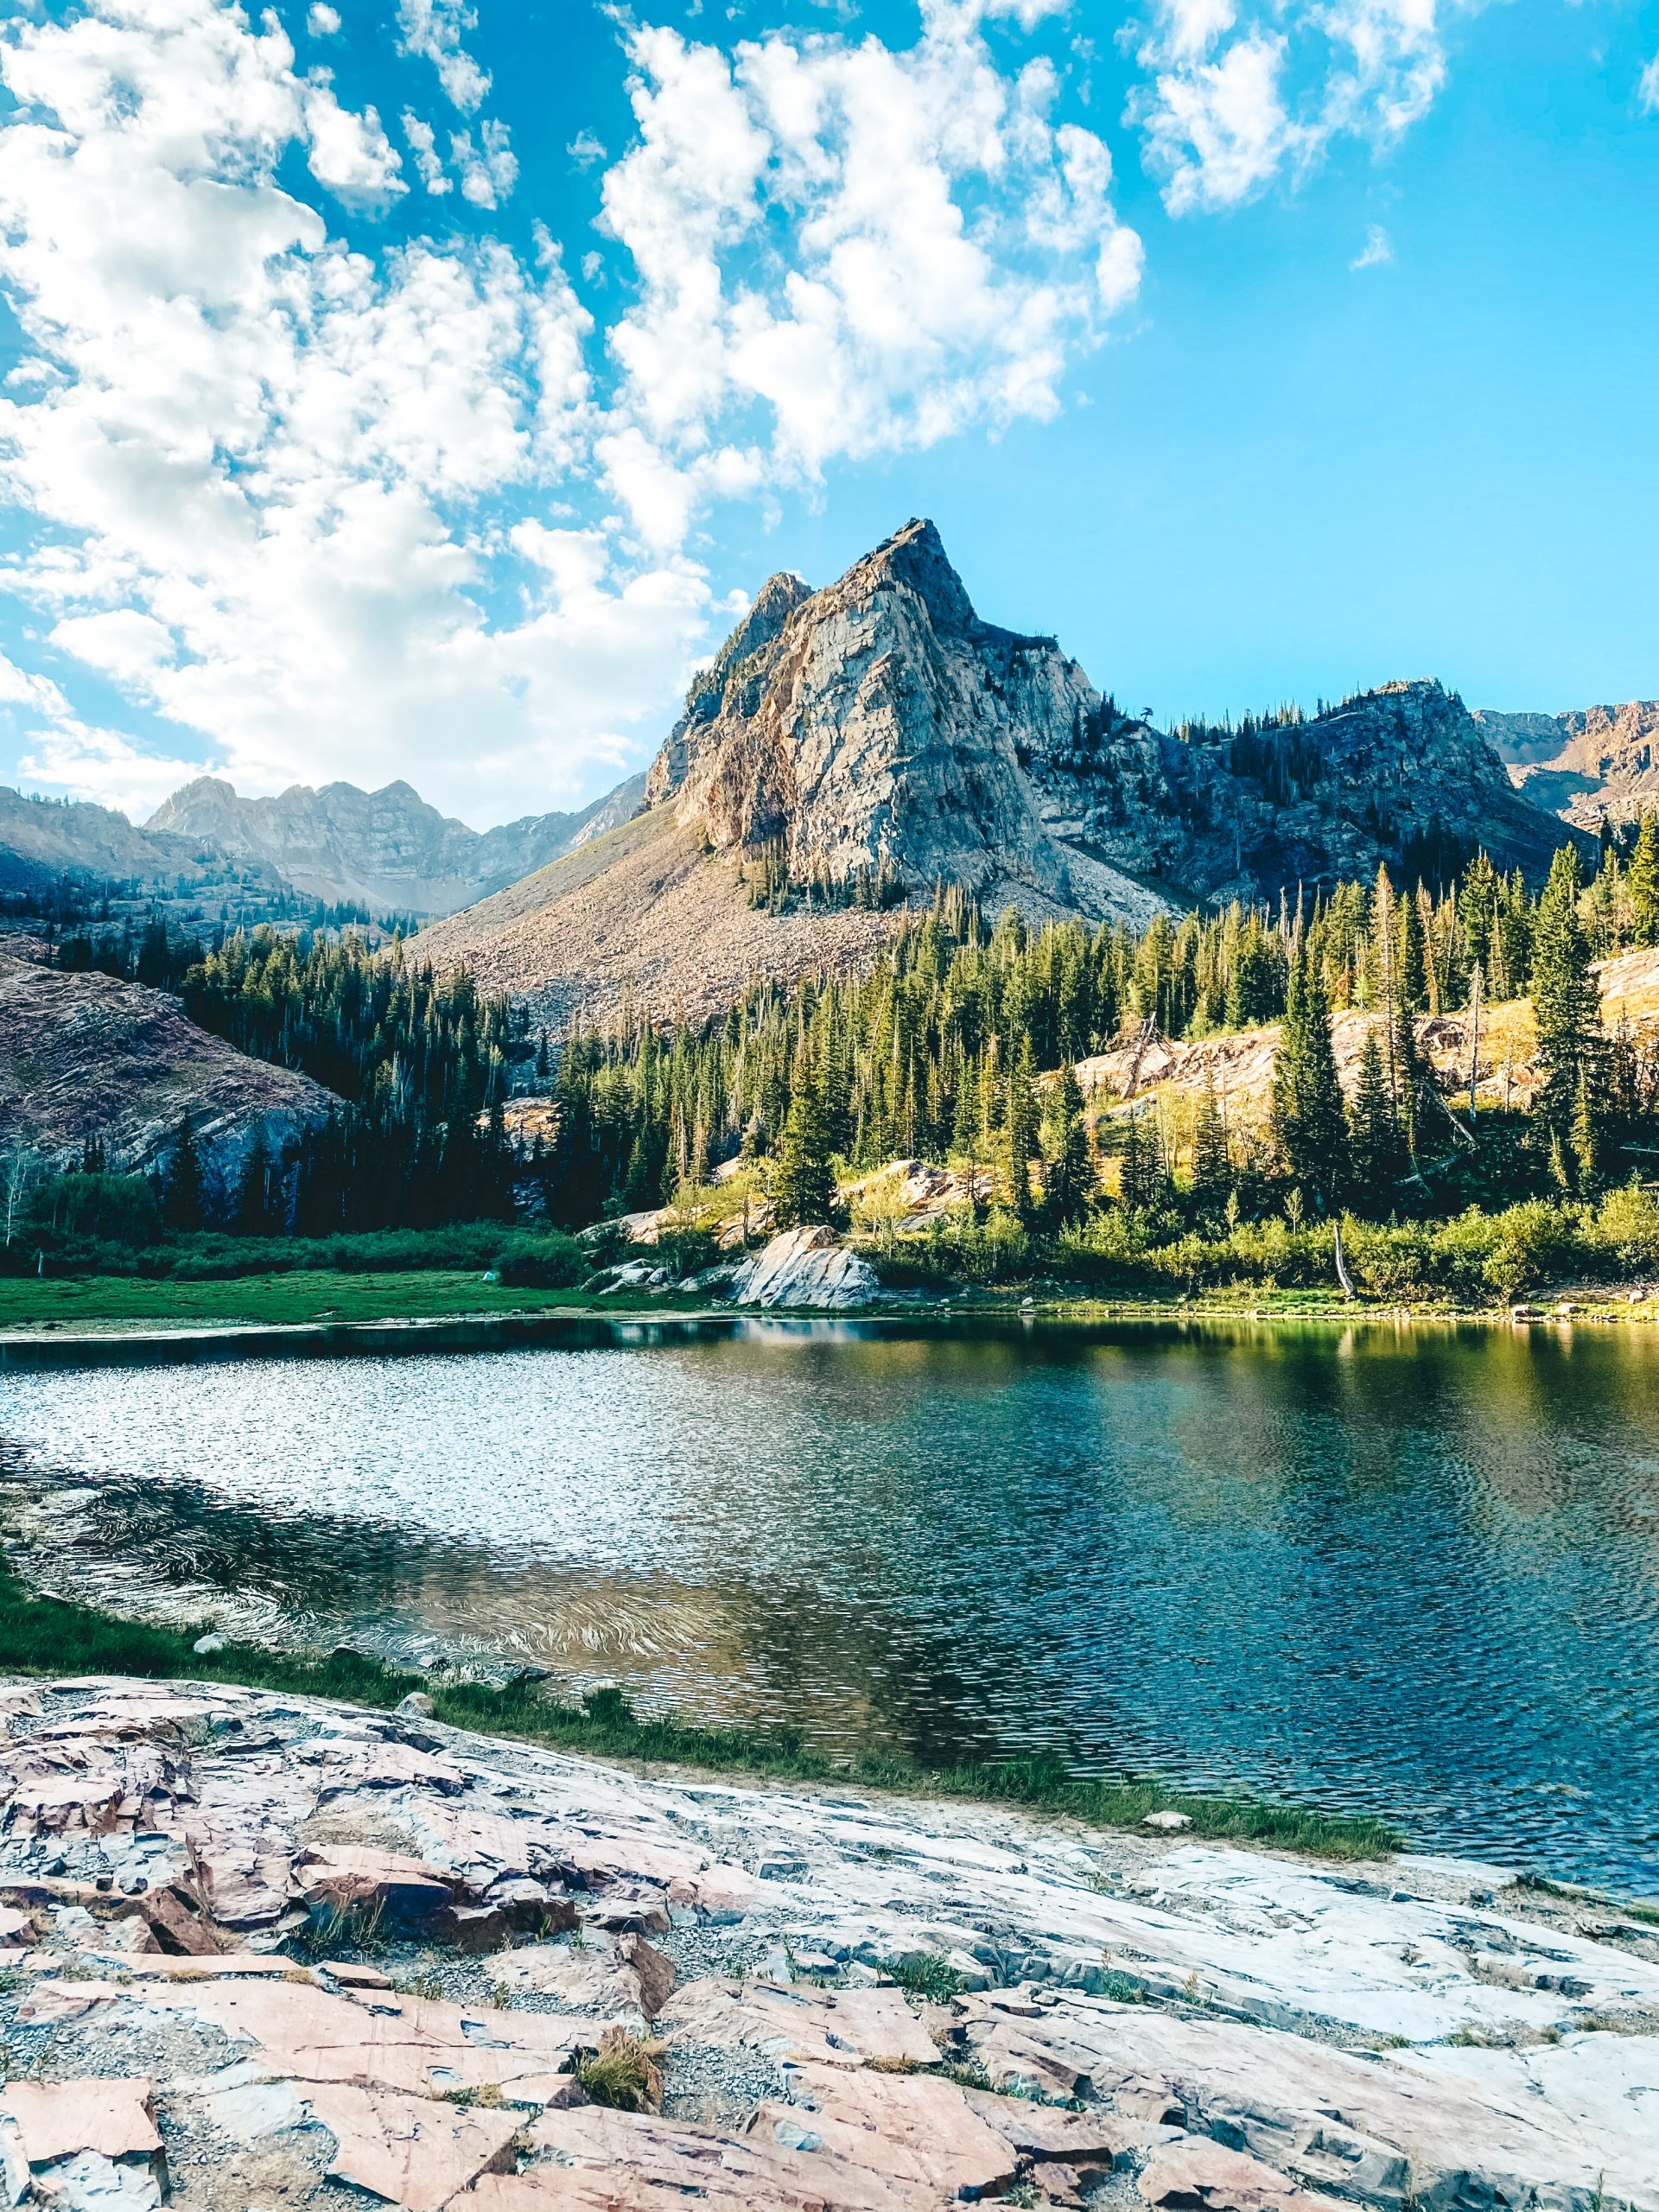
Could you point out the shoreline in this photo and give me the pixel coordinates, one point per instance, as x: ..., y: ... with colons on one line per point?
x: 119, y: 1341
x: 296, y: 1935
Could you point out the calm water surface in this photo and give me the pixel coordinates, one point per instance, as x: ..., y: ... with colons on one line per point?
x: 1412, y: 1573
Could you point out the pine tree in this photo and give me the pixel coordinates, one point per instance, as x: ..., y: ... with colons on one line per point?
x: 804, y: 1184
x: 1642, y: 883
x: 1310, y: 1128
x: 1071, y: 1182
x: 1020, y: 1147
x: 1567, y: 1009
x: 1212, y: 1167
x: 184, y: 1205
x: 1374, y: 1132
x: 1411, y: 979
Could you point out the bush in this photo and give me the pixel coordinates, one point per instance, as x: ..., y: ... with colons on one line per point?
x: 550, y: 1261
x: 1534, y: 1241
x: 1626, y: 1230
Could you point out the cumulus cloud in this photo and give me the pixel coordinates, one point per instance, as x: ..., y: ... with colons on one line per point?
x: 489, y: 171
x: 103, y: 766
x: 1377, y: 251
x: 424, y: 145
x: 433, y: 29
x: 1219, y: 114
x: 397, y: 508
x: 323, y: 22
x: 37, y: 695
x: 943, y: 252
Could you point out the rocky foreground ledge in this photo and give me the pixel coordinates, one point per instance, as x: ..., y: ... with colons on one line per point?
x: 266, y: 1952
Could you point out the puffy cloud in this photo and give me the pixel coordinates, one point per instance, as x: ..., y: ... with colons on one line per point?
x: 39, y: 694
x: 489, y: 172
x: 424, y: 145
x: 1376, y: 253
x: 843, y: 249
x: 1219, y: 120
x: 322, y: 21
x: 433, y: 29
x: 103, y: 766
x: 393, y: 509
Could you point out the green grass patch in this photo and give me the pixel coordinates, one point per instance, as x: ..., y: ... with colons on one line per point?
x: 104, y: 1301
x: 53, y: 1636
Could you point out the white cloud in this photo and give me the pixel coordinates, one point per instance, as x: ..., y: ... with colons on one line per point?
x: 322, y: 21
x: 488, y: 173
x: 350, y: 155
x: 355, y: 510
x: 1647, y: 89
x: 433, y: 29
x: 1376, y: 253
x: 428, y: 163
x: 103, y: 766
x: 21, y: 687
x: 939, y: 251
x: 1220, y: 117
x: 585, y: 149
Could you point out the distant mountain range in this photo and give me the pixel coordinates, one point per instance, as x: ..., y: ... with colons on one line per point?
x: 1591, y: 767
x: 386, y: 850
x: 878, y: 724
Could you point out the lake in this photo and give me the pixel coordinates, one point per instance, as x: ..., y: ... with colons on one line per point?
x: 1411, y: 1571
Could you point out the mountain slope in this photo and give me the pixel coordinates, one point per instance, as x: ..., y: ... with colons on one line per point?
x: 1605, y: 769
x: 43, y: 839
x: 642, y: 916
x: 84, y: 1055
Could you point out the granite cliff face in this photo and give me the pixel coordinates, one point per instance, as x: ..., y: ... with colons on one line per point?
x: 387, y: 849
x: 881, y: 718
x: 1604, y: 768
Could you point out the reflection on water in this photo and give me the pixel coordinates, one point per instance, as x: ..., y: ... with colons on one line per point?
x: 1407, y: 1572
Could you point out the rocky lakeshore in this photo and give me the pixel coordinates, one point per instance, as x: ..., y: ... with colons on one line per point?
x: 270, y: 1952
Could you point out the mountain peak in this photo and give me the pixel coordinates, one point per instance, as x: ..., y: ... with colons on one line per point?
x: 915, y: 558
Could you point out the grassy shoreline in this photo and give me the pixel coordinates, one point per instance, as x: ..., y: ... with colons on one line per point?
x: 42, y: 1635
x: 305, y: 1299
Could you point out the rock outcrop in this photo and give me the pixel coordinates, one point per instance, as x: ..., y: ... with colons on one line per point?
x: 388, y: 851
x: 83, y: 1056
x: 805, y: 1267
x: 1100, y: 2015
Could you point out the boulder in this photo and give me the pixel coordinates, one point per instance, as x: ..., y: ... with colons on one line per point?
x: 805, y: 1267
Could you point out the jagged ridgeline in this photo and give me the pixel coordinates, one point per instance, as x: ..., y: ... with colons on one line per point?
x: 850, y: 748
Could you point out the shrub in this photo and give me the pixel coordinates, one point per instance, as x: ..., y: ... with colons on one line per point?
x: 1534, y: 1241
x: 1626, y: 1229
x: 550, y: 1261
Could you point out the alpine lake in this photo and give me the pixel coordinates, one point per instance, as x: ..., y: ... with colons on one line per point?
x: 1403, y: 1569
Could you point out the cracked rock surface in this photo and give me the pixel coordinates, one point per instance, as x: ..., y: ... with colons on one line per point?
x: 268, y: 1952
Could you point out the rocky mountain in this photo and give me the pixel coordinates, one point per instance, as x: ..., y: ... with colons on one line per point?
x: 1602, y: 768
x: 84, y: 1056
x: 388, y: 851
x: 878, y: 724
x: 206, y: 849
x: 1520, y: 739
x: 882, y: 717
x: 43, y: 840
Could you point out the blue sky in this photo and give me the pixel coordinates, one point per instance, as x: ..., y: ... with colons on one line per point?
x: 414, y: 388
